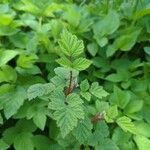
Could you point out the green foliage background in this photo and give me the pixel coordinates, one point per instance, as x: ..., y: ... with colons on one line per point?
x: 108, y: 42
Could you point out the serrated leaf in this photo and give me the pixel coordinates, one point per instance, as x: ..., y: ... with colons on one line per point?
x: 86, y: 95
x: 14, y: 102
x: 70, y: 45
x: 84, y: 85
x: 83, y: 130
x: 126, y: 124
x: 81, y: 64
x: 65, y: 62
x: 39, y: 89
x: 97, y: 90
x: 111, y: 114
x: 67, y: 111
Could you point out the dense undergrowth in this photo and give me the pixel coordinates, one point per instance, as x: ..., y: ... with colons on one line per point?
x: 74, y: 75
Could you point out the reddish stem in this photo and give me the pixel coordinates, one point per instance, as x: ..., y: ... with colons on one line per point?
x: 97, y: 118
x: 69, y: 90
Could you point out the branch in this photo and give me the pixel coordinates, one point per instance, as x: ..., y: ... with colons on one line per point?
x: 69, y: 90
x: 97, y: 117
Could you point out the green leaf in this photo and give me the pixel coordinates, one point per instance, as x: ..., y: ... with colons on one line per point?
x: 3, y: 145
x: 126, y: 124
x: 125, y: 42
x: 114, y: 77
x: 133, y: 106
x: 83, y: 130
x: 1, y: 119
x: 107, y: 26
x: 70, y: 45
x: 84, y: 85
x: 111, y: 114
x: 102, y: 106
x: 97, y: 90
x: 92, y: 48
x: 7, y: 74
x: 27, y: 61
x: 120, y: 97
x: 86, y: 95
x: 142, y: 142
x: 81, y: 64
x: 40, y: 120
x: 7, y: 55
x: 14, y: 101
x: 23, y: 141
x: 65, y: 62
x: 143, y: 128
x: 67, y: 111
x: 106, y: 144
x: 41, y: 142
x: 147, y: 50
x: 39, y: 89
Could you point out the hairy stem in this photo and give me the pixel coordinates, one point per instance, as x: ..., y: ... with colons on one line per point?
x: 97, y: 117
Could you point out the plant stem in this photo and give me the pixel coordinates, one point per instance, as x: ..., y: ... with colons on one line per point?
x: 69, y: 90
x: 97, y: 118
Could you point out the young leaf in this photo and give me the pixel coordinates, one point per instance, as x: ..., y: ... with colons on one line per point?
x: 7, y: 55
x: 126, y: 124
x: 70, y: 45
x: 142, y: 142
x: 84, y: 85
x: 97, y: 90
x: 81, y: 64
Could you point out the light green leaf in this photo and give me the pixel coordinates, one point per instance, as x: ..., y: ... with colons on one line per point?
x: 81, y: 64
x: 39, y: 89
x: 126, y: 124
x: 97, y: 90
x: 84, y: 85
x: 143, y: 128
x: 70, y: 45
x: 23, y: 141
x: 65, y: 62
x: 111, y: 114
x: 133, y: 106
x: 86, y: 95
x: 67, y: 111
x: 7, y: 74
x: 142, y: 142
x: 14, y: 102
x: 7, y: 55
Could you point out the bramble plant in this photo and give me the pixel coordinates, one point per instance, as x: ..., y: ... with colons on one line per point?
x: 74, y: 75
